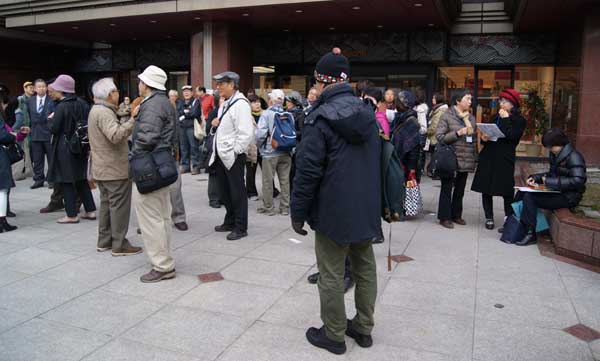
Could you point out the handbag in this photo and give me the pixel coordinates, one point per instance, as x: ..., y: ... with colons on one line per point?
x: 154, y: 170
x: 445, y: 163
x: 413, y: 203
x: 514, y: 230
x: 15, y: 152
x: 199, y: 129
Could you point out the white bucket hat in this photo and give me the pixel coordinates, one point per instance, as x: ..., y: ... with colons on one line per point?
x: 154, y: 77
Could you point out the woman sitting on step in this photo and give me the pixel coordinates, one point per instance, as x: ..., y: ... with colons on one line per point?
x: 567, y: 175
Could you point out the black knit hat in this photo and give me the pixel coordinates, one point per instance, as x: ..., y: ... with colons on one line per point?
x: 332, y: 68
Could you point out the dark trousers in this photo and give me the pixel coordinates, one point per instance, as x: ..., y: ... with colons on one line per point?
x: 39, y: 150
x: 251, y: 179
x: 81, y: 189
x: 232, y: 192
x: 451, y: 197
x: 213, y: 188
x: 534, y: 201
x: 190, y: 149
x: 429, y: 154
x: 488, y: 205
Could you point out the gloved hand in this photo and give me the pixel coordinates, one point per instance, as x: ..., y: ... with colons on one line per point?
x: 299, y: 228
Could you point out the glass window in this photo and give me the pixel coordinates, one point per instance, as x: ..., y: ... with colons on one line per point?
x: 566, y: 100
x: 539, y: 80
x: 450, y: 78
x: 490, y: 84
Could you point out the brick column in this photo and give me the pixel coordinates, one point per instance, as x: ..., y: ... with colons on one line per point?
x: 231, y: 50
x: 197, y: 59
x: 588, y: 126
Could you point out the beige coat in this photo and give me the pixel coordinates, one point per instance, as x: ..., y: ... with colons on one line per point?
x: 466, y: 153
x: 436, y: 114
x: 108, y: 143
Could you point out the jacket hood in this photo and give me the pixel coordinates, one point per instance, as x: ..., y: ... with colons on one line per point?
x: 346, y: 114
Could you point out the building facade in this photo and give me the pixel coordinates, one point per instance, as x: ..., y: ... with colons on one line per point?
x: 426, y: 45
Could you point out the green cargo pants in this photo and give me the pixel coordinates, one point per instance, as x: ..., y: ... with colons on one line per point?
x: 331, y: 261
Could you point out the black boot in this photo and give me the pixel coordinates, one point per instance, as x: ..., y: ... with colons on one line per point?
x: 5, y: 227
x: 530, y: 238
x: 318, y: 338
x: 361, y: 340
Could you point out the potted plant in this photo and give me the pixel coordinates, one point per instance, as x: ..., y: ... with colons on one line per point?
x: 537, y: 121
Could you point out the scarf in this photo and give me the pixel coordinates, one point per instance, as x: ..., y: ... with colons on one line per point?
x: 465, y: 118
x: 406, y: 132
x: 256, y: 116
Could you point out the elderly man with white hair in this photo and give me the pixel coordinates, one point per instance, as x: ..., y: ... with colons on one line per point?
x: 273, y: 160
x: 109, y: 165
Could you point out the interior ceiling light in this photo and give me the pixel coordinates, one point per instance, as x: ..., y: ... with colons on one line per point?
x: 41, y: 30
x: 245, y: 14
x: 379, y: 26
x: 299, y: 11
x: 286, y: 30
x: 418, y: 5
x: 112, y: 24
x: 153, y: 21
x: 197, y: 18
x: 356, y: 8
x: 430, y: 24
x: 332, y: 28
x: 75, y: 27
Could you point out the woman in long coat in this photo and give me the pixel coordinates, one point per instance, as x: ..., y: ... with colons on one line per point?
x: 496, y: 170
x: 67, y: 169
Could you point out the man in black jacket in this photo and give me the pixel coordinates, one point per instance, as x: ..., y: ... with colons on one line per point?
x: 189, y: 111
x: 337, y: 190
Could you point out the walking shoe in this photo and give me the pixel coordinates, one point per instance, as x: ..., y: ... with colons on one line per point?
x: 138, y: 231
x: 285, y: 212
x: 195, y: 171
x: 127, y: 251
x: 182, y: 226
x: 157, y: 276
x: 103, y: 249
x: 530, y: 238
x: 10, y: 214
x: 460, y: 221
x: 52, y: 208
x: 5, y: 227
x: 68, y: 220
x: 263, y: 210
x: 90, y: 216
x: 313, y: 278
x: 317, y: 337
x: 361, y: 340
x: 215, y: 204
x: 38, y: 184
x: 489, y: 224
x: 225, y: 228
x: 253, y: 198
x: 447, y: 224
x: 183, y: 170
x: 235, y: 235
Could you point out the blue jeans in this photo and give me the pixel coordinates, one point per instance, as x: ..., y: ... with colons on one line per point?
x: 188, y: 144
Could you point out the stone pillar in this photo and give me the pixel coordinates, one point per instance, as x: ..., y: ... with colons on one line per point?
x: 232, y: 50
x: 197, y: 59
x: 588, y: 126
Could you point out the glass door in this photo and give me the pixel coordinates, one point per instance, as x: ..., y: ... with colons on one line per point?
x: 489, y: 82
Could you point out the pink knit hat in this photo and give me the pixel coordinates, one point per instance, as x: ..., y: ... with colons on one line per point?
x: 63, y: 83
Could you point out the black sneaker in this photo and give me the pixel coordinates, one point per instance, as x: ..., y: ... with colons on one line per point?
x: 36, y: 185
x: 10, y: 214
x: 317, y: 338
x: 489, y: 224
x: 313, y: 278
x: 224, y: 228
x: 215, y: 204
x: 235, y: 235
x: 361, y: 340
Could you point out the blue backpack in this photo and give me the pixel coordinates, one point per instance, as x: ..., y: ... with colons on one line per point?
x: 283, y: 138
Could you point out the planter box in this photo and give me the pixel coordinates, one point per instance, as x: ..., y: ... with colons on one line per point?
x: 575, y: 237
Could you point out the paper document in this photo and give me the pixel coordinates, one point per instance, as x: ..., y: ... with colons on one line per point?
x: 491, y: 130
x: 538, y: 189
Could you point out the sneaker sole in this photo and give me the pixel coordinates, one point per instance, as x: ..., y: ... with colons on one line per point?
x: 117, y: 254
x: 167, y: 276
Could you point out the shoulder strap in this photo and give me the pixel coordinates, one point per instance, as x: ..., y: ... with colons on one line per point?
x: 230, y: 106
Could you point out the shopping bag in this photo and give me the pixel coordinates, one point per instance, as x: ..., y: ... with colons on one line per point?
x: 514, y: 230
x: 413, y: 203
x: 541, y: 223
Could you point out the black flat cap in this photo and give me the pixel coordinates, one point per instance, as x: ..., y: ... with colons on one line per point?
x: 227, y: 76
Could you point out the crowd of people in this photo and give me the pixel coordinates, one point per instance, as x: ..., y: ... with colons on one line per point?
x: 323, y: 152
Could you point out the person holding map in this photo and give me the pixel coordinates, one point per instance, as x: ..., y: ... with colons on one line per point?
x: 496, y: 168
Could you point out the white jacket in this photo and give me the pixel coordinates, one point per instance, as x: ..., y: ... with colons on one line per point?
x: 422, y: 110
x: 235, y: 132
